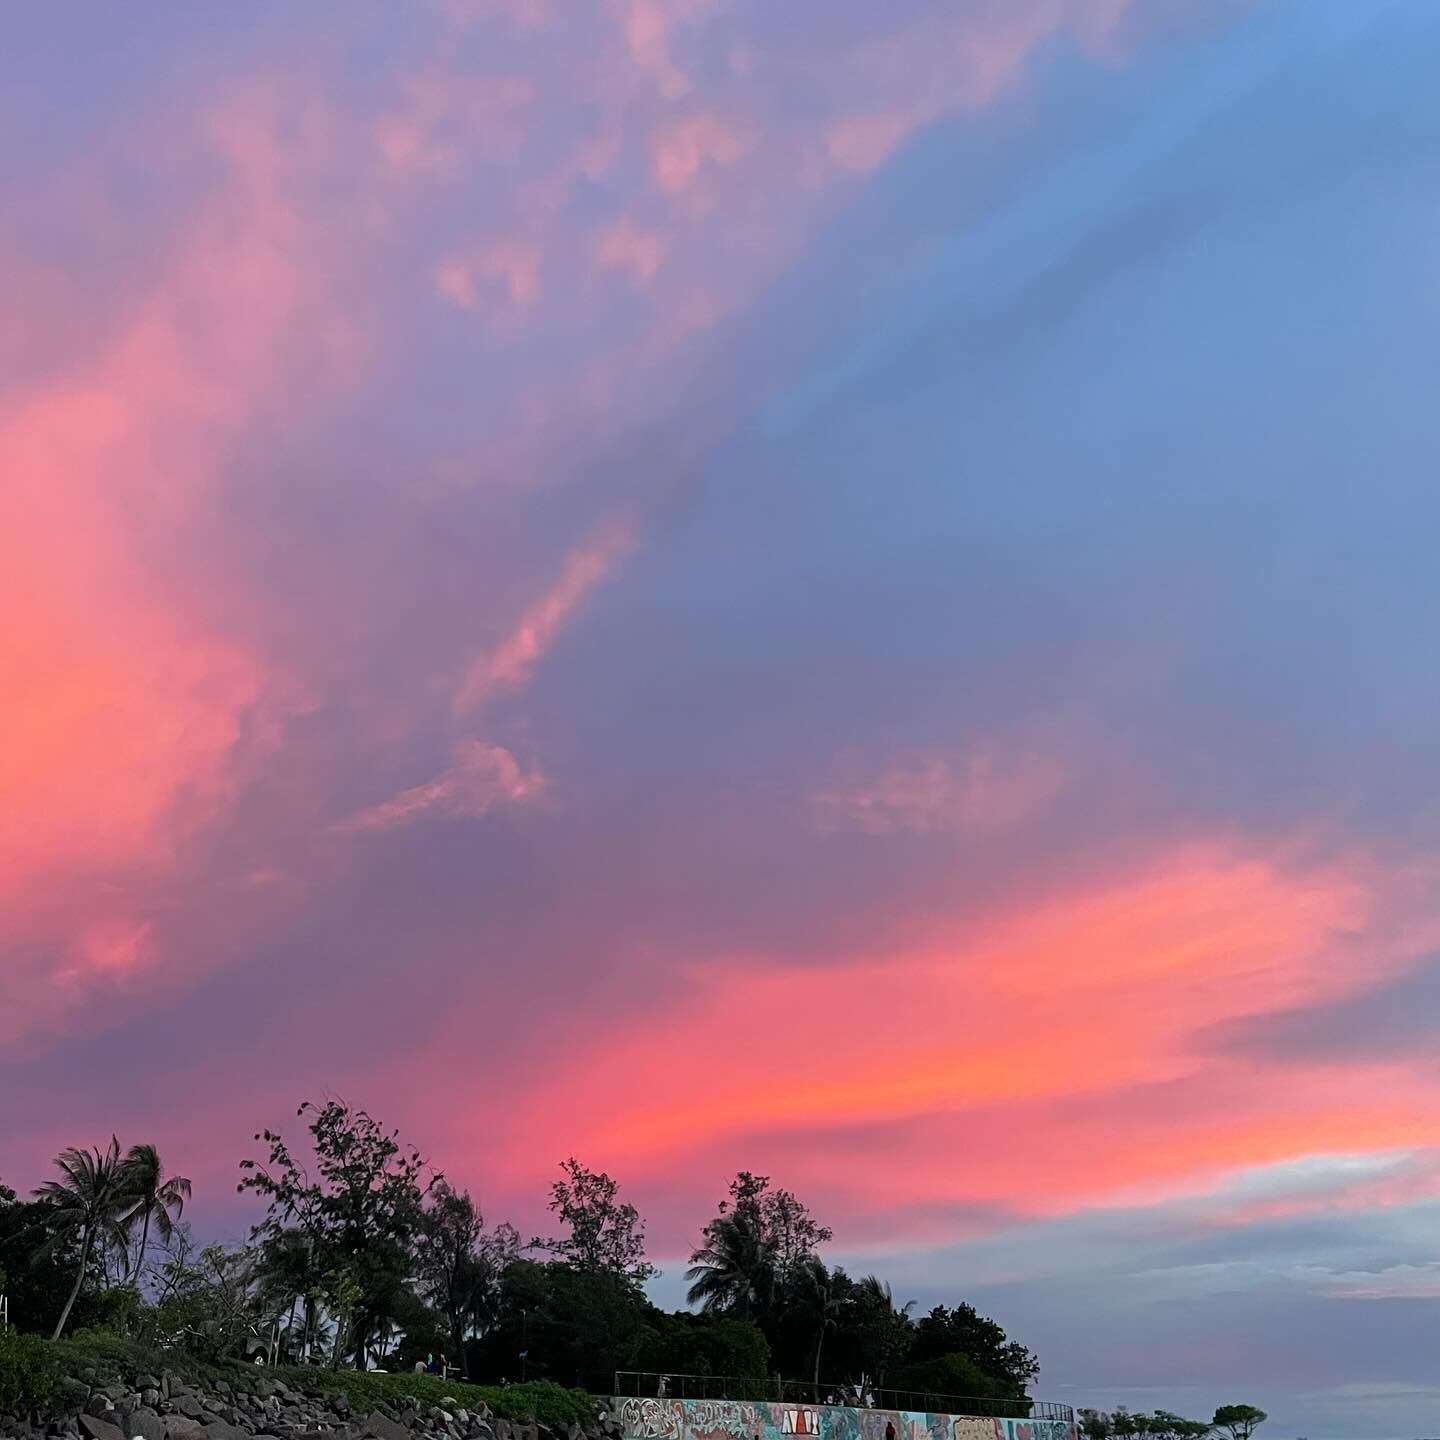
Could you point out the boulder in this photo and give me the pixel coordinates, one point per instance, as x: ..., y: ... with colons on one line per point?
x: 146, y: 1382
x: 224, y: 1430
x: 379, y: 1426
x: 145, y: 1424
x: 100, y: 1404
x: 150, y: 1396
x: 504, y: 1430
x: 98, y: 1429
x: 178, y: 1426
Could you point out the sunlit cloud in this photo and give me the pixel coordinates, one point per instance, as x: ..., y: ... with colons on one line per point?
x: 510, y: 664
x: 482, y: 777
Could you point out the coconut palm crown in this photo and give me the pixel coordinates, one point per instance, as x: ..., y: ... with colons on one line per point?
x: 152, y: 1197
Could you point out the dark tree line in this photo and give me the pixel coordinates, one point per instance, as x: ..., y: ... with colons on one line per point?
x: 364, y: 1256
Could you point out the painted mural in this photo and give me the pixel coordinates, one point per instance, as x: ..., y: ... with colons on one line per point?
x: 648, y: 1419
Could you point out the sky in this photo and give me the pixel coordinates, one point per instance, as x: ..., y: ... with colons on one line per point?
x: 831, y: 588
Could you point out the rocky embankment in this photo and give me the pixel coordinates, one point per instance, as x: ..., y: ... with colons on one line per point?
x: 164, y: 1407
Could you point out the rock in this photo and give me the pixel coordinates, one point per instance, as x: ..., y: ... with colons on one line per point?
x: 482, y: 1411
x: 99, y: 1404
x: 98, y: 1429
x: 481, y: 1431
x: 224, y: 1430
x: 504, y: 1430
x: 150, y: 1396
x: 177, y: 1426
x: 146, y: 1425
x: 379, y: 1426
x: 146, y: 1382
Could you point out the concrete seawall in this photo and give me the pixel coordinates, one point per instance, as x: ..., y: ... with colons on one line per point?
x: 649, y: 1419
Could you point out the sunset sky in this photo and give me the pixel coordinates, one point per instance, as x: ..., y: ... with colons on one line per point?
x: 836, y: 587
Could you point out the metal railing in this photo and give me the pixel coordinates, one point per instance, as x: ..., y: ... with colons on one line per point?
x: 642, y: 1384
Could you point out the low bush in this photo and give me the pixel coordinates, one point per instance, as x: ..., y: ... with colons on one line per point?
x: 29, y: 1371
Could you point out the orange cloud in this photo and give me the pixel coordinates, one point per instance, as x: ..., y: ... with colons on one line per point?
x: 1058, y: 1038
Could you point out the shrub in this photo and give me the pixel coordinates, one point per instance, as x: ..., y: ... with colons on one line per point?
x: 29, y: 1371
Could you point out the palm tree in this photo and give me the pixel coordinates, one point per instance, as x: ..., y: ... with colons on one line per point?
x: 733, y: 1271
x: 88, y: 1199
x: 152, y: 1196
x: 890, y: 1323
x: 817, y: 1300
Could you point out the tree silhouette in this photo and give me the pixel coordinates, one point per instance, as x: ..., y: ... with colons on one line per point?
x: 87, y: 1199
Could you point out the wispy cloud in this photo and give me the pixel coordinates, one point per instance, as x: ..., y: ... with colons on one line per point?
x: 988, y: 788
x: 510, y: 664
x: 482, y: 777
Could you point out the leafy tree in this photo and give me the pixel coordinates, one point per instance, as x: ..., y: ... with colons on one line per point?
x: 39, y: 1256
x: 153, y: 1196
x: 360, y: 1214
x: 959, y: 1346
x: 86, y: 1200
x: 209, y: 1303
x: 1095, y: 1425
x: 873, y: 1334
x: 606, y: 1237
x: 563, y: 1323
x: 688, y: 1344
x: 289, y: 1280
x: 458, y: 1265
x: 1238, y: 1421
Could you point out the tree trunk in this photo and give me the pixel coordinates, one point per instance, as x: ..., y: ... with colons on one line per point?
x: 457, y: 1339
x: 79, y: 1280
x: 144, y: 1237
x: 819, y: 1346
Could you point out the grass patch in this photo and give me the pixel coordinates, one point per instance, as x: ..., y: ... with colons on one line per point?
x: 554, y: 1406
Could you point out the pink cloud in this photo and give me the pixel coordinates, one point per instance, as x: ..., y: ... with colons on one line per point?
x: 130, y: 700
x: 627, y: 247
x: 685, y: 150
x: 482, y: 777
x: 513, y: 266
x: 987, y: 789
x: 512, y: 661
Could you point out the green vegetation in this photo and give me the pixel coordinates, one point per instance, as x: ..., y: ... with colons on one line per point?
x: 365, y: 1265
x: 29, y: 1371
x: 1238, y: 1422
